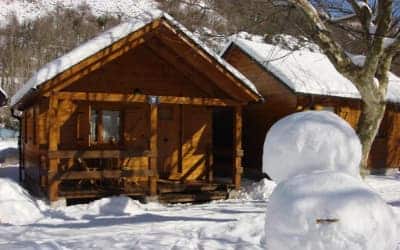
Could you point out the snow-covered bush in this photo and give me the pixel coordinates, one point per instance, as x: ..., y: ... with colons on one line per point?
x: 308, y: 141
x: 257, y: 190
x: 328, y: 211
x: 16, y: 205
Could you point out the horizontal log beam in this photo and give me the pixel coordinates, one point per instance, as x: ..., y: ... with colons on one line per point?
x: 96, y: 154
x: 82, y: 194
x: 105, y: 174
x: 138, y: 98
x: 196, y: 101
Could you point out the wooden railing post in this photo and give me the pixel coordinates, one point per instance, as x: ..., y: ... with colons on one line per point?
x: 53, y: 133
x: 153, y: 159
x: 237, y: 147
x: 209, y: 164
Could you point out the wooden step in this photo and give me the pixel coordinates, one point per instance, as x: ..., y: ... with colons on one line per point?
x: 76, y: 194
x: 192, y: 197
x: 176, y: 187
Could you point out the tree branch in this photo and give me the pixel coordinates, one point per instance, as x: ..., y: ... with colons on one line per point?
x: 364, y: 15
x: 394, y: 47
x: 324, y: 39
x: 383, y: 72
x: 383, y: 24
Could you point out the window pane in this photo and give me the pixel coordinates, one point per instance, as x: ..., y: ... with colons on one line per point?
x: 328, y: 108
x: 111, y: 126
x: 93, y: 126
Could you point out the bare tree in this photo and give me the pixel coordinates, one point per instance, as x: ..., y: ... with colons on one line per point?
x: 374, y: 34
x: 371, y: 76
x: 28, y: 45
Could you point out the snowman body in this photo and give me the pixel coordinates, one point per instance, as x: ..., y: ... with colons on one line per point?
x: 320, y: 202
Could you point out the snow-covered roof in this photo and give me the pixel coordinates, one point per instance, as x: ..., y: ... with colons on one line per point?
x: 306, y: 72
x: 107, y: 38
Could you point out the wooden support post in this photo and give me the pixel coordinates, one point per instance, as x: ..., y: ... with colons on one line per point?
x: 21, y: 146
x: 153, y: 159
x: 181, y: 140
x: 53, y: 133
x: 209, y: 164
x: 237, y: 147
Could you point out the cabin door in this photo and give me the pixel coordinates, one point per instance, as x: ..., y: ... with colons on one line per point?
x: 184, y: 141
x: 136, y: 123
x: 196, y: 143
x: 168, y: 140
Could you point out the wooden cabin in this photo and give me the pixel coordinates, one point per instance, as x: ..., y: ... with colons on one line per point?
x: 292, y: 81
x: 143, y: 110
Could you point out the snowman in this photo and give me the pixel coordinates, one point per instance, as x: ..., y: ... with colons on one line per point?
x: 321, y: 202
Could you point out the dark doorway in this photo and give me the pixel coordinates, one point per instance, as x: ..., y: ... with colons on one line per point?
x: 223, y: 141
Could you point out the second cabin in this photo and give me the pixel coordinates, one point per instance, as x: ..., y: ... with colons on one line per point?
x: 143, y: 109
x: 293, y: 81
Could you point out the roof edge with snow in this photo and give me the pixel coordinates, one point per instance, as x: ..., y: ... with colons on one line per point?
x: 393, y: 89
x: 54, y: 68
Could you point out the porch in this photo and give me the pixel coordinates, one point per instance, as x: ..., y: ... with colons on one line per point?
x: 161, y: 166
x: 76, y: 178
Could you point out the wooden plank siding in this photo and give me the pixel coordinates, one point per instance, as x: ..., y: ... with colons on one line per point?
x: 237, y: 147
x: 184, y: 46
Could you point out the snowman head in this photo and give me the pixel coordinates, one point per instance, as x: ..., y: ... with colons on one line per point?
x: 311, y: 141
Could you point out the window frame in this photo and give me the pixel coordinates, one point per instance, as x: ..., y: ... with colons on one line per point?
x: 100, y: 128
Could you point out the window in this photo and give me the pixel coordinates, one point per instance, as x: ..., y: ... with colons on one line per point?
x: 328, y: 108
x: 93, y: 127
x: 111, y: 125
x: 104, y: 127
x: 324, y: 108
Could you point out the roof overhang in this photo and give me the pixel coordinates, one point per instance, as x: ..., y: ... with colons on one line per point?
x: 233, y: 43
x: 109, y: 45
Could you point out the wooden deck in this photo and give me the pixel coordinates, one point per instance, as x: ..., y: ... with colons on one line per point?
x: 168, y: 192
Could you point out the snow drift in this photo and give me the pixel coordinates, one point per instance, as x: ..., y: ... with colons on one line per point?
x: 16, y: 205
x: 116, y: 206
x: 328, y: 211
x: 257, y: 191
x: 308, y: 141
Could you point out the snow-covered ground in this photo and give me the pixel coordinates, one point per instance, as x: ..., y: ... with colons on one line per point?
x: 12, y: 143
x: 122, y: 223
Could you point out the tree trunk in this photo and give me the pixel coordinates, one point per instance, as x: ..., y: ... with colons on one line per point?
x: 368, y: 126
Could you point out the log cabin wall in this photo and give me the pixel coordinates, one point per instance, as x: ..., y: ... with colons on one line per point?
x: 184, y: 131
x: 55, y: 129
x: 280, y: 101
x: 259, y: 117
x: 132, y: 116
x: 34, y: 146
x: 393, y: 135
x: 149, y: 72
